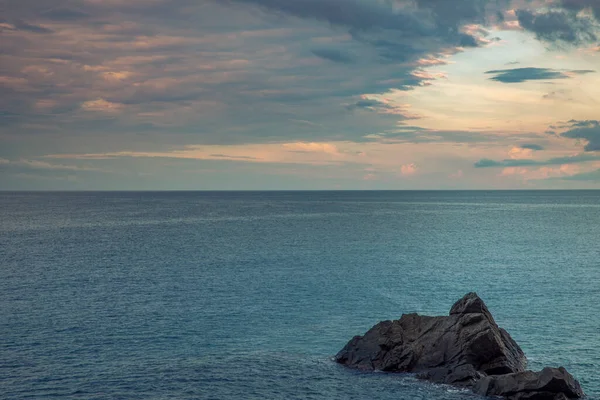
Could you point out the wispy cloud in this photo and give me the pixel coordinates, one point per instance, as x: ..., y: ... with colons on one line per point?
x: 44, y: 165
x: 590, y: 176
x: 518, y: 75
x: 310, y: 153
x: 582, y: 158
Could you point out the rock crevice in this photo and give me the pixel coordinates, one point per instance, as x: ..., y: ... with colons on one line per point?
x: 465, y: 348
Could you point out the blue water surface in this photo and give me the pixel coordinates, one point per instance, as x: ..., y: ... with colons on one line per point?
x: 248, y: 295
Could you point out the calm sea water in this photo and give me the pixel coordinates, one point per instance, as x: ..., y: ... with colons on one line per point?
x: 249, y: 295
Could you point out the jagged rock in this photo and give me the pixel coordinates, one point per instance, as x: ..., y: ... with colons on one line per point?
x: 465, y: 348
x: 459, y: 348
x: 548, y: 384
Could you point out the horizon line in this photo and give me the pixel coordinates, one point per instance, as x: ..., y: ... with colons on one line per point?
x: 278, y: 190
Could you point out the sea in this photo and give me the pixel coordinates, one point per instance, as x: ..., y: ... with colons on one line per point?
x: 249, y: 295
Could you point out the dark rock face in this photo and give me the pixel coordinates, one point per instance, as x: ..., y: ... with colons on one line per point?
x: 549, y: 383
x: 459, y: 349
x: 466, y: 348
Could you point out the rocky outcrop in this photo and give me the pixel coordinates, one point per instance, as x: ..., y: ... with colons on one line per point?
x: 549, y: 383
x: 465, y: 348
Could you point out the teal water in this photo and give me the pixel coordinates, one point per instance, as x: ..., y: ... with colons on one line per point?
x: 249, y: 295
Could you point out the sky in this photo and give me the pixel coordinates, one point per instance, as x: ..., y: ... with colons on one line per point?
x: 299, y: 94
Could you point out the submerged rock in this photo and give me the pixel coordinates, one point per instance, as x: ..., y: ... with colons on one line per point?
x: 465, y: 348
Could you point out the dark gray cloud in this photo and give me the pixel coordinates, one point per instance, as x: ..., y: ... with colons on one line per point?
x: 518, y: 75
x: 442, y: 18
x: 389, y: 49
x: 560, y: 25
x: 582, y: 124
x: 399, y: 33
x: 334, y: 55
x: 415, y: 134
x: 532, y: 146
x: 366, y: 103
x: 500, y: 17
x: 579, y: 5
x: 586, y: 130
x: 355, y: 14
x: 487, y: 163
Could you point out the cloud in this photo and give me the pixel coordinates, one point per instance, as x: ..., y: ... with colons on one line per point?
x: 65, y: 14
x: 487, y: 163
x: 355, y: 14
x: 334, y: 55
x: 559, y: 25
x: 101, y: 105
x: 518, y: 75
x: 532, y: 146
x: 593, y: 176
x: 37, y: 164
x: 24, y: 26
x: 559, y: 95
x: 588, y: 130
x: 225, y: 156
x: 408, y: 169
x: 542, y: 173
x: 311, y: 147
x: 237, y: 82
x: 139, y: 78
x: 580, y: 5
x: 43, y: 165
x: 396, y: 29
x: 367, y: 103
x: 382, y: 106
x: 311, y: 153
x: 520, y: 153
x: 509, y: 163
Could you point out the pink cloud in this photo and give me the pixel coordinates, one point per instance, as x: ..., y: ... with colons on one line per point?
x: 312, y: 147
x: 510, y: 171
x: 457, y: 175
x: 408, y: 169
x: 516, y: 153
x: 116, y: 76
x: 546, y: 172
x: 430, y: 62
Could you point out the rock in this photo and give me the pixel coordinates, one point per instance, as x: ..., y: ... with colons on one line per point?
x: 549, y: 383
x: 470, y: 304
x: 458, y: 348
x: 465, y: 348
